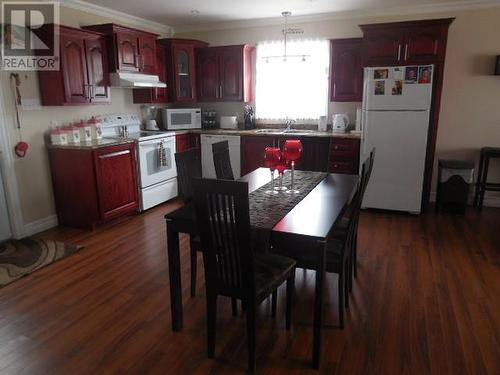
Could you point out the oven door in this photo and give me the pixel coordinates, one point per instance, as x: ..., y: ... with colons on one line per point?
x: 151, y: 170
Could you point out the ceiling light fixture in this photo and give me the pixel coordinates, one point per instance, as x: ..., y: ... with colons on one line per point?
x: 194, y: 12
x: 287, y: 31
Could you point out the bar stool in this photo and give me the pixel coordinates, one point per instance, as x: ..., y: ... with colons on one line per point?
x: 482, y: 184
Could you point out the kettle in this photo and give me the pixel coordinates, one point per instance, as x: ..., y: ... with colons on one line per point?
x: 340, y: 122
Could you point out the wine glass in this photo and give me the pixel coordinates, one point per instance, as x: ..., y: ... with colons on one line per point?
x: 292, y: 151
x: 280, y: 167
x: 272, y: 157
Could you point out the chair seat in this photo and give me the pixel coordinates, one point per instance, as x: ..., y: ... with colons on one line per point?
x: 270, y: 272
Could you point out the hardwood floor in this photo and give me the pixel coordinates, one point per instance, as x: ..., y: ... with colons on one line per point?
x: 426, y: 300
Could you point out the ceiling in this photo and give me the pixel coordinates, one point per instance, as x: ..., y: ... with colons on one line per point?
x: 179, y: 12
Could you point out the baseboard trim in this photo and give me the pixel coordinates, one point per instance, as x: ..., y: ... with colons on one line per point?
x: 489, y: 201
x: 38, y: 226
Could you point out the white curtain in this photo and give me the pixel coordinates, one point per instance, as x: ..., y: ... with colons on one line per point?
x: 294, y: 88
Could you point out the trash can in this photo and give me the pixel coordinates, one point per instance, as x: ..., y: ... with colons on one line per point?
x: 454, y: 179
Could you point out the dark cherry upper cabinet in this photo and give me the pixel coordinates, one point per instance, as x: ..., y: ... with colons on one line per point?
x: 225, y: 73
x: 147, y: 54
x: 155, y: 94
x: 346, y: 74
x: 207, y: 71
x: 126, y: 54
x: 129, y: 49
x: 83, y: 75
x: 180, y: 67
x: 403, y: 43
x: 95, y: 52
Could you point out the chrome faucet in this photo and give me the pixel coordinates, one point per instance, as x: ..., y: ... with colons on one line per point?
x: 288, y: 124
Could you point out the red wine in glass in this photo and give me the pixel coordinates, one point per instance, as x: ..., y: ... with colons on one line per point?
x: 272, y: 157
x: 292, y: 151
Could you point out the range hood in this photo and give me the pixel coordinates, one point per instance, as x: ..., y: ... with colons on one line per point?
x: 134, y: 80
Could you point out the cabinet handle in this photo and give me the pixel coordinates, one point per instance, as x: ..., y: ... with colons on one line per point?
x: 334, y: 89
x: 113, y: 154
x: 220, y: 91
x: 399, y: 52
x: 406, y: 51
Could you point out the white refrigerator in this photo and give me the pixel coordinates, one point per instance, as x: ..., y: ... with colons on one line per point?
x: 395, y: 120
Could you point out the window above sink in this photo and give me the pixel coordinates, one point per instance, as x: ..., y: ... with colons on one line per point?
x: 294, y: 87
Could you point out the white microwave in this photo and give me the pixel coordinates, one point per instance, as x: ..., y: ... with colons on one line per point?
x: 181, y: 118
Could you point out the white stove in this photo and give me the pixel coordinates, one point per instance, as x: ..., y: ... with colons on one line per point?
x: 155, y: 157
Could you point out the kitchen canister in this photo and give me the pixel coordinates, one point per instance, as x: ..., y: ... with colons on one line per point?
x: 95, y: 128
x: 85, y: 131
x: 59, y: 136
x: 322, y: 123
x: 73, y: 134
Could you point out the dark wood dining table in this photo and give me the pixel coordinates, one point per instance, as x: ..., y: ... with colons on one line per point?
x: 301, y: 234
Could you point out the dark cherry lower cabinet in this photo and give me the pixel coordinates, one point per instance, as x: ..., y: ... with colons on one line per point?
x: 346, y: 70
x: 344, y: 155
x: 83, y: 74
x: 186, y: 141
x: 92, y: 186
x: 317, y: 154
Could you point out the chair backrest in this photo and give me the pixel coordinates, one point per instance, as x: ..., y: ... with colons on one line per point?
x: 366, y: 171
x: 222, y: 213
x: 222, y: 161
x: 188, y: 167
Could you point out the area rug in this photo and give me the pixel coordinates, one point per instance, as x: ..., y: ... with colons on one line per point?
x: 19, y: 258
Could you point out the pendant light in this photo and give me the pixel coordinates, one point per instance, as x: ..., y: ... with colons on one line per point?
x: 287, y: 31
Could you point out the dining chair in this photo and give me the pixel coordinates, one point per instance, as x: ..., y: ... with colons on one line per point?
x: 232, y: 267
x: 188, y: 165
x: 222, y: 160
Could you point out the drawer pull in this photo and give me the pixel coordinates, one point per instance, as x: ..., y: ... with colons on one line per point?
x: 113, y: 154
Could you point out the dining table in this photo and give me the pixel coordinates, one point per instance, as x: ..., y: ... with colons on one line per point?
x: 302, y: 234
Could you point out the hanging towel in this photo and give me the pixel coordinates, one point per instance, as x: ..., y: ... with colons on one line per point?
x: 162, y: 156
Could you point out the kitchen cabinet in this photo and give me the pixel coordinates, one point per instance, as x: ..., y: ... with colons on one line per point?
x: 186, y: 141
x: 155, y: 94
x: 224, y: 73
x: 314, y: 155
x: 253, y: 150
x: 92, y: 186
x: 180, y: 68
x: 129, y: 49
x: 408, y: 43
x: 346, y: 74
x: 83, y: 74
x: 404, y: 43
x: 344, y: 155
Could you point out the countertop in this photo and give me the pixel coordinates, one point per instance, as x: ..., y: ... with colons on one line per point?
x: 105, y: 142
x: 277, y: 133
